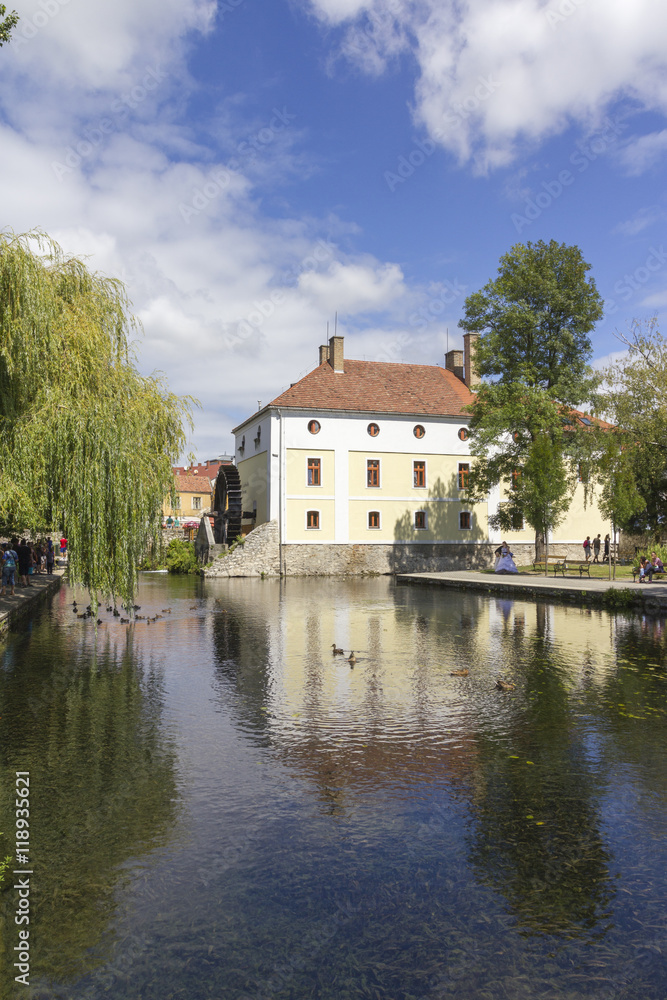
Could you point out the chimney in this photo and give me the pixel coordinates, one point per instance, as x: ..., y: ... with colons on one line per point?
x: 336, y: 353
x: 454, y: 363
x: 472, y: 379
x: 324, y: 353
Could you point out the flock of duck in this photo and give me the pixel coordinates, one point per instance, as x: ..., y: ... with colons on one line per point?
x: 351, y: 659
x: 89, y: 613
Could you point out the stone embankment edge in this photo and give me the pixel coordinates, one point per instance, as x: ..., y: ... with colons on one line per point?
x: 13, y: 615
x: 648, y: 602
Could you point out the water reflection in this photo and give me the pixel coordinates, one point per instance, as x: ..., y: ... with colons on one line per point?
x: 85, y: 720
x: 384, y: 831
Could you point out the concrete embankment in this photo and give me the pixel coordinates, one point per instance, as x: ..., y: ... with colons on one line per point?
x: 650, y: 597
x: 26, y: 599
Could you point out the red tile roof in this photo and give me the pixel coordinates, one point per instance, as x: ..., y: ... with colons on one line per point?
x: 380, y: 387
x: 192, y: 484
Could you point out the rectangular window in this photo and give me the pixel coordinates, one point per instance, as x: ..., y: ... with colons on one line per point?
x: 464, y: 475
x: 516, y: 478
x: 420, y: 519
x: 374, y: 519
x: 465, y: 520
x: 177, y: 503
x: 373, y: 472
x: 313, y: 519
x: 314, y: 471
x: 419, y: 474
x: 517, y: 519
x: 196, y: 503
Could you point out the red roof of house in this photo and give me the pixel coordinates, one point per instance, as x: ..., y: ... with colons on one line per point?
x: 192, y: 484
x: 380, y: 387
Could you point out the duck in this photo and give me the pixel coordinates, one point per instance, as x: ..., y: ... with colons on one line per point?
x: 166, y: 611
x: 109, y: 609
x: 352, y: 658
x: 459, y: 673
x: 504, y: 685
x: 336, y: 650
x: 125, y: 621
x: 193, y: 607
x: 116, y: 613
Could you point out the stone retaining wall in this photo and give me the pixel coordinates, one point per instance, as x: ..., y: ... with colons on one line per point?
x: 258, y: 556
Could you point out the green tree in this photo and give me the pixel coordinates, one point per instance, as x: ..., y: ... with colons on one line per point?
x: 636, y: 391
x: 86, y: 442
x: 534, y: 349
x: 7, y: 24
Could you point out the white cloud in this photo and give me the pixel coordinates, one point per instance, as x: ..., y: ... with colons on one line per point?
x: 643, y: 152
x: 497, y: 75
x: 353, y: 288
x: 641, y: 220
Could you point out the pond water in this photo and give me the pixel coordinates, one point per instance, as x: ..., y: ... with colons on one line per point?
x: 220, y: 808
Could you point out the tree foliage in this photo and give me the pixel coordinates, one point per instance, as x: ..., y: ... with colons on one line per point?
x: 636, y: 400
x: 7, y: 24
x: 87, y: 443
x: 534, y: 349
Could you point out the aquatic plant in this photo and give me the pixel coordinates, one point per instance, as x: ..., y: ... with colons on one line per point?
x: 181, y: 557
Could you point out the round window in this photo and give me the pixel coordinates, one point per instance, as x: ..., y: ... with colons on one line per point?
x: 464, y: 434
x: 418, y: 431
x: 314, y: 426
x: 373, y: 430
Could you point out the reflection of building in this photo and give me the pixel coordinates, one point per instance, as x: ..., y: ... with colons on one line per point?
x: 364, y: 467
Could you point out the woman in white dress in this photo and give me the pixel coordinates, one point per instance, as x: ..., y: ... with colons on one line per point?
x: 505, y: 563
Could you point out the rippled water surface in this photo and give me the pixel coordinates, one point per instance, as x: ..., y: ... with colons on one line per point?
x: 220, y: 808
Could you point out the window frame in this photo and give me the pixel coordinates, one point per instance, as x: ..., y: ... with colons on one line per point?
x: 373, y: 429
x: 196, y: 503
x: 421, y: 462
x: 378, y: 484
x: 463, y: 433
x: 317, y: 517
x: 463, y: 475
x: 420, y: 527
x: 419, y: 431
x: 314, y: 426
x: 373, y: 527
x: 468, y: 514
x: 317, y: 465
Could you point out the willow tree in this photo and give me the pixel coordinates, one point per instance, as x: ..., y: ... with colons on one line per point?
x: 87, y: 442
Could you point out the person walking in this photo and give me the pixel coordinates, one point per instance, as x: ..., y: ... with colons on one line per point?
x: 50, y: 556
x: 9, y: 565
x: 596, y: 549
x: 587, y: 547
x: 25, y: 561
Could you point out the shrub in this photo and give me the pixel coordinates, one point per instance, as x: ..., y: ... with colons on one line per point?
x: 181, y: 557
x: 614, y: 599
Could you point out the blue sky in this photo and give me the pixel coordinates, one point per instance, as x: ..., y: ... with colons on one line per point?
x: 250, y: 167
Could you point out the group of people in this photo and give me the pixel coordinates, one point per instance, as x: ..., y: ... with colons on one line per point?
x: 22, y: 558
x: 647, y: 567
x: 595, y: 547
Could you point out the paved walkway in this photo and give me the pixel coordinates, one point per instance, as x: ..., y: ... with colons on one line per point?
x: 25, y: 598
x: 650, y: 595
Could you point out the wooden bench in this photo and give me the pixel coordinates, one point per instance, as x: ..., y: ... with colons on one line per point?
x: 657, y: 574
x: 559, y: 563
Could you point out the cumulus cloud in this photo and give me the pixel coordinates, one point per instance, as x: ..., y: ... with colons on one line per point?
x: 497, y: 75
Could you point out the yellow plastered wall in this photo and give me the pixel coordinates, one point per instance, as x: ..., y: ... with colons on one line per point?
x: 581, y: 521
x: 186, y: 508
x: 254, y: 485
x: 296, y: 472
x: 397, y: 520
x: 296, y: 520
x: 397, y: 475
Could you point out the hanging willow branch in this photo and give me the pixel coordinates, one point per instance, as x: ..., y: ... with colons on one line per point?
x: 86, y: 442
